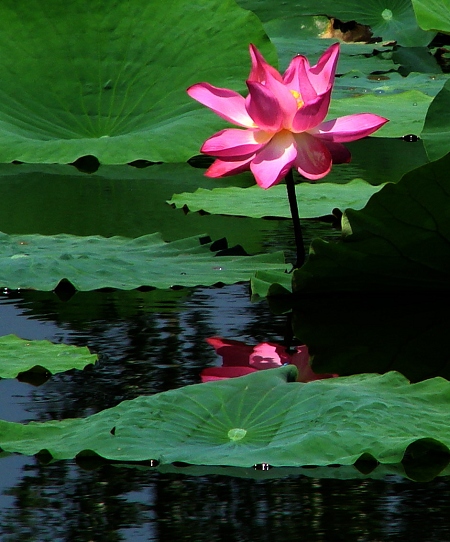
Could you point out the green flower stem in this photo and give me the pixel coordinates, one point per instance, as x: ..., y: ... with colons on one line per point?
x: 295, y: 220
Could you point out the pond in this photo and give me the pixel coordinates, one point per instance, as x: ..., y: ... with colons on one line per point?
x: 166, y: 372
x: 153, y: 341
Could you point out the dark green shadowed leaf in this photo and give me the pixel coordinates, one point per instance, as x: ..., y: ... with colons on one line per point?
x: 82, y: 78
x: 375, y: 334
x: 19, y: 355
x: 436, y: 132
x: 40, y: 262
x: 265, y: 417
x: 399, y: 242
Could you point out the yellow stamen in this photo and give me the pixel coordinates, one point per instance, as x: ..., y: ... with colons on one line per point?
x: 298, y: 98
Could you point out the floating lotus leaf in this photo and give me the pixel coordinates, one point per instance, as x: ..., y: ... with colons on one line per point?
x: 19, y: 355
x: 399, y: 242
x: 356, y: 83
x: 315, y: 199
x: 82, y: 78
x: 265, y: 417
x: 40, y: 262
x: 406, y: 111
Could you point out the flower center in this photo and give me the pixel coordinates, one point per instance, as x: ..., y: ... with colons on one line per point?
x: 298, y: 98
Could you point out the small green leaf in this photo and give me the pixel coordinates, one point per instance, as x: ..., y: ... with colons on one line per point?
x: 271, y: 283
x: 19, y: 355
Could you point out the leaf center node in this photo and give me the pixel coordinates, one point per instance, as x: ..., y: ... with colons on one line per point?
x: 237, y: 434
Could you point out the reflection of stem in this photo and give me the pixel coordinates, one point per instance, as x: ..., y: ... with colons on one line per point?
x: 295, y: 220
x: 289, y: 334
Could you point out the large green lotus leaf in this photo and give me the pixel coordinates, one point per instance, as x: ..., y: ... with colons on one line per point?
x: 19, y: 355
x: 399, y: 242
x: 436, y: 132
x: 40, y: 262
x: 390, y: 19
x: 79, y: 78
x: 315, y: 199
x: 265, y: 417
x: 433, y: 14
x: 375, y: 334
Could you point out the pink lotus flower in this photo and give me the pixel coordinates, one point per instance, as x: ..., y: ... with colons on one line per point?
x: 284, y: 120
x: 240, y: 359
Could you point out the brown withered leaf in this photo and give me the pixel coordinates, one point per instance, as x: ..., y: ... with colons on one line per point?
x: 349, y: 32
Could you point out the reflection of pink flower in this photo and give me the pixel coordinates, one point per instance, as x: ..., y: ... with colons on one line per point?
x: 240, y: 359
x: 283, y: 117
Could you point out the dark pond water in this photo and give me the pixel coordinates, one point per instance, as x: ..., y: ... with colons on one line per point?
x: 148, y: 345
x: 150, y: 342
